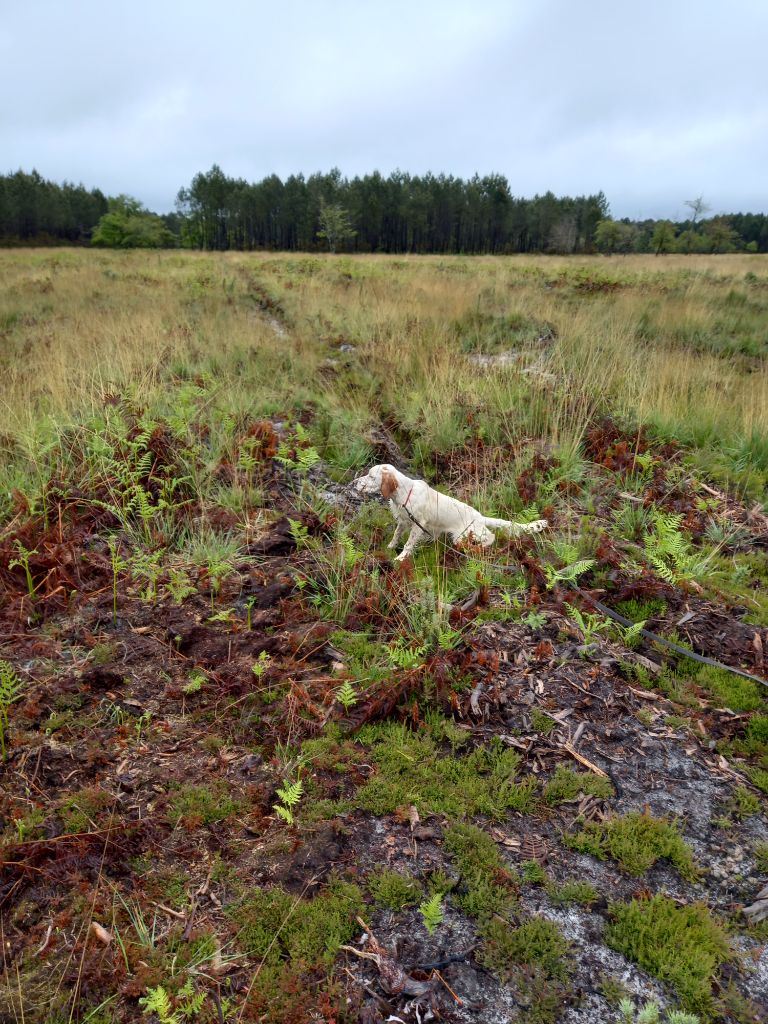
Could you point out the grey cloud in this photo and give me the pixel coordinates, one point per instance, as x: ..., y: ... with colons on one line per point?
x: 650, y: 101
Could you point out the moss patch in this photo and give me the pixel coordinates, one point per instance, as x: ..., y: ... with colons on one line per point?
x: 204, y: 805
x: 573, y: 891
x: 415, y: 769
x: 536, y: 943
x: 277, y: 927
x: 394, y: 890
x: 682, y: 946
x: 730, y: 691
x: 487, y: 886
x: 567, y: 785
x: 295, y: 941
x: 535, y: 957
x: 636, y: 842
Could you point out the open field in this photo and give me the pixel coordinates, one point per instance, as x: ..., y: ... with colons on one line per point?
x: 232, y: 728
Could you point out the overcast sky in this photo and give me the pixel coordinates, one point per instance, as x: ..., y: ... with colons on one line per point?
x: 653, y: 101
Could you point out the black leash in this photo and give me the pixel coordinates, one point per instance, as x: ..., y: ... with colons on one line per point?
x: 670, y: 644
x: 611, y: 614
x: 622, y: 620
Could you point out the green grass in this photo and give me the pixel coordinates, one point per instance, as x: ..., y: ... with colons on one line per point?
x: 139, y: 397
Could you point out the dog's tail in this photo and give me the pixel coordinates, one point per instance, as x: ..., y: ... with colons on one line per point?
x: 516, y: 529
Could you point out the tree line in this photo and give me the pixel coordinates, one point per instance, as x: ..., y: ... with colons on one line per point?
x: 36, y: 211
x: 398, y: 214
x: 401, y: 213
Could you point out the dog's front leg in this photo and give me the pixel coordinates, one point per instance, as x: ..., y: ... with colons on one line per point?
x: 399, y: 531
x: 415, y: 537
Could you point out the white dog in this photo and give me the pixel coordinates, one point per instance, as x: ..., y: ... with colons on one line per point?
x: 430, y: 514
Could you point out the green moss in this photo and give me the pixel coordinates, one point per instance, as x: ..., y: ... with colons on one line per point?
x: 757, y: 730
x: 487, y: 886
x: 171, y: 888
x: 276, y: 927
x: 635, y: 842
x: 744, y: 803
x: 642, y: 611
x: 566, y: 785
x: 677, y: 722
x: 532, y: 872
x: 542, y: 722
x: 758, y: 777
x: 393, y: 890
x: 325, y: 810
x: 612, y: 990
x: 754, y: 741
x: 441, y: 882
x: 682, y: 946
x: 414, y: 769
x: 573, y: 891
x: 30, y: 826
x: 743, y: 578
x: 213, y: 744
x: 104, y: 654
x: 536, y: 958
x: 361, y: 651
x: 761, y: 857
x: 732, y: 1005
x: 201, y: 804
x: 82, y: 811
x: 730, y: 691
x: 536, y: 943
x: 330, y: 752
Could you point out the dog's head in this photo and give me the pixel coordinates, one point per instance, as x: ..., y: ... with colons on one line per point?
x: 378, y: 480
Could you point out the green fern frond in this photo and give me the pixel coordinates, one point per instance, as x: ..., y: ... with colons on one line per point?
x: 193, y: 1001
x: 10, y: 685
x: 346, y: 695
x: 10, y: 691
x: 290, y: 797
x: 448, y: 639
x: 631, y: 634
x: 568, y: 573
x: 431, y: 911
x: 284, y: 812
x: 144, y: 464
x: 158, y: 1001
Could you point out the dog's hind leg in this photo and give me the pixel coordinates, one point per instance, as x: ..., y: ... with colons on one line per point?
x: 477, y: 533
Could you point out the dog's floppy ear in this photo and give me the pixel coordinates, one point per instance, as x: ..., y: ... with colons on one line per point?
x: 388, y: 484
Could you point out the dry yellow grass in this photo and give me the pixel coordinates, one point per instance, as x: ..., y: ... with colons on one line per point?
x: 77, y: 323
